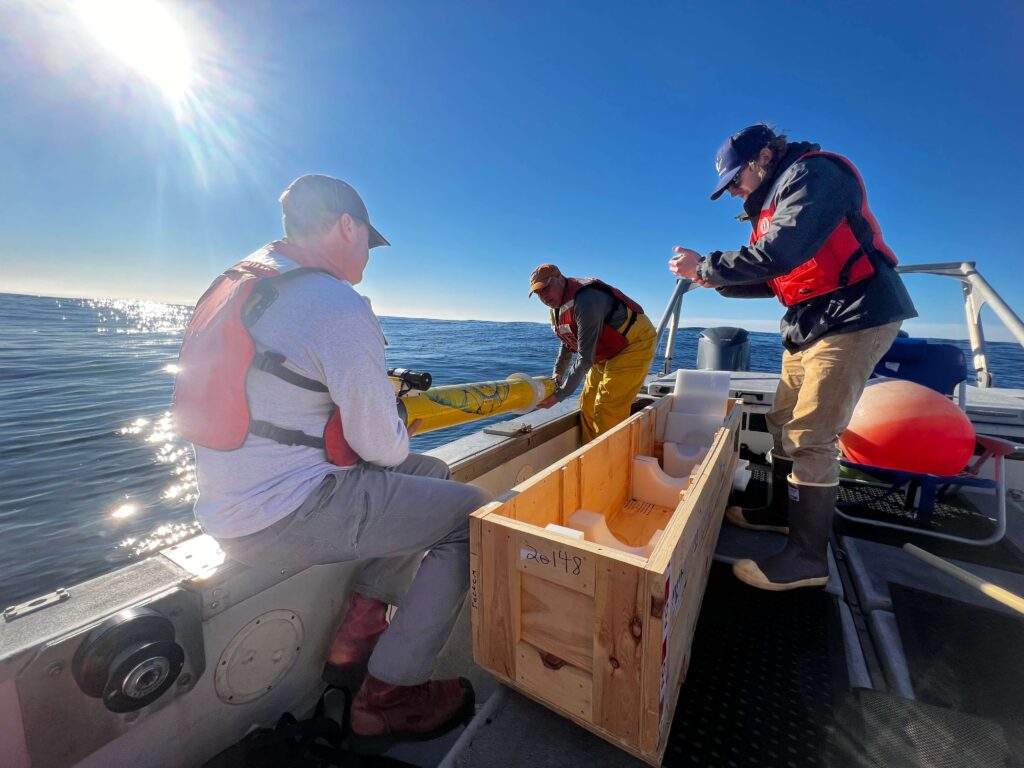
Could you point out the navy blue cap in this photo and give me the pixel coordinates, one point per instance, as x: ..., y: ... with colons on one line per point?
x: 737, y: 151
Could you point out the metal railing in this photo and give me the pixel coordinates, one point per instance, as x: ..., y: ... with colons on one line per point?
x: 977, y: 293
x: 671, y: 313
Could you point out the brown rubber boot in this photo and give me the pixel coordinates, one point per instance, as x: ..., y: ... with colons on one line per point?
x: 774, y: 515
x: 385, y: 714
x: 365, y: 621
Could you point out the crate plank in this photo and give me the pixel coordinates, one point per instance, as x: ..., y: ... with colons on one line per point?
x: 595, y: 480
x: 634, y: 438
x: 691, y: 563
x: 605, y: 472
x: 570, y: 499
x: 533, y: 505
x: 553, y: 559
x: 557, y: 620
x: 618, y: 650
x: 499, y: 603
x: 475, y: 581
x: 655, y: 661
x: 558, y: 683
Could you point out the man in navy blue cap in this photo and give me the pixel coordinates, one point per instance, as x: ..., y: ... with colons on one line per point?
x: 816, y: 246
x: 736, y: 154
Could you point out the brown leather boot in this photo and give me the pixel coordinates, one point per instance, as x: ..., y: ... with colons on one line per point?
x: 365, y: 621
x: 385, y: 714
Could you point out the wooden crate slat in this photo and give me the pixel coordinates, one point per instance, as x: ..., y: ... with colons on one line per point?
x: 655, y: 665
x: 690, y: 565
x: 570, y: 499
x: 561, y: 684
x: 595, y: 483
x: 553, y: 559
x: 605, y: 471
x: 618, y: 650
x: 557, y: 620
x: 533, y: 505
x: 499, y: 601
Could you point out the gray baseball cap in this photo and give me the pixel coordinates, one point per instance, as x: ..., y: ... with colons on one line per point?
x: 315, y: 198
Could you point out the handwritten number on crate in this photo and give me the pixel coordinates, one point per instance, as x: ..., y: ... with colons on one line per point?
x: 557, y: 559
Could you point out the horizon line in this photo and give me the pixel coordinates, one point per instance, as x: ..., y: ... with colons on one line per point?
x: 32, y: 294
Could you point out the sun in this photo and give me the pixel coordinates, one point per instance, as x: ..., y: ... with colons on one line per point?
x: 145, y: 36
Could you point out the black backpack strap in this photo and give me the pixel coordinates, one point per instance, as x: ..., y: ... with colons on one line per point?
x: 632, y: 319
x: 284, y: 436
x: 266, y: 293
x: 844, y: 272
x: 273, y: 363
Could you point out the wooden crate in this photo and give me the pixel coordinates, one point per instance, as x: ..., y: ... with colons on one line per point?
x: 596, y: 634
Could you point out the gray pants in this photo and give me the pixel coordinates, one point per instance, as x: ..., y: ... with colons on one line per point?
x: 386, y: 518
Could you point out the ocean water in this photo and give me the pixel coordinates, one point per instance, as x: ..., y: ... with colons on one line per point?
x: 91, y: 477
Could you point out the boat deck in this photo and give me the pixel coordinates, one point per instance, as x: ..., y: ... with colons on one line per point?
x: 894, y: 663
x: 762, y: 689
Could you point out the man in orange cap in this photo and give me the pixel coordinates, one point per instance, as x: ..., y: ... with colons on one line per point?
x: 611, y: 337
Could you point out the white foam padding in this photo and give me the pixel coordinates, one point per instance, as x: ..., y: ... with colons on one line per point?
x: 679, y: 460
x: 572, y: 533
x: 691, y: 428
x: 595, y: 530
x: 651, y: 484
x: 742, y: 475
x: 701, y: 392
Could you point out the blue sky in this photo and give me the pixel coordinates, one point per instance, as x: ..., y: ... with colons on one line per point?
x: 489, y: 137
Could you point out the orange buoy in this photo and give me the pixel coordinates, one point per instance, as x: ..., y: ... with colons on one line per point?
x: 902, y: 425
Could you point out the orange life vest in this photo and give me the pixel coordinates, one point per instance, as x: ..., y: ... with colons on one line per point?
x: 611, y: 341
x: 210, y: 406
x: 844, y: 258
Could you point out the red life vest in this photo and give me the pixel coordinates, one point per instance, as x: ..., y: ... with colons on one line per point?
x: 611, y: 340
x: 845, y: 257
x: 210, y: 406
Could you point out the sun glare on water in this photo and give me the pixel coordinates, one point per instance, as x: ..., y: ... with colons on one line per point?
x: 145, y: 36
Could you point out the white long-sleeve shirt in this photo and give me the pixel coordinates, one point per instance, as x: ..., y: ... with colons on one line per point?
x: 327, y: 332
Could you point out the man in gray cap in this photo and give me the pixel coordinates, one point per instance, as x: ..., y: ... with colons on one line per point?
x: 817, y: 247
x: 302, y: 458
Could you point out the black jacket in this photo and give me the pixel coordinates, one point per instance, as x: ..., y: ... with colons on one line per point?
x: 815, y: 194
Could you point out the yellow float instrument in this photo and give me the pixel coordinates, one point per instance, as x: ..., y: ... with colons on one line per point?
x: 440, y: 407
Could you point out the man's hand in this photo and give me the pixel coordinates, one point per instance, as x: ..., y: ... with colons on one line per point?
x: 684, y: 264
x: 547, y: 402
x: 411, y: 428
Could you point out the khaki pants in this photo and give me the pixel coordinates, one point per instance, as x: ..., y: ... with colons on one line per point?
x: 819, y: 389
x: 611, y: 387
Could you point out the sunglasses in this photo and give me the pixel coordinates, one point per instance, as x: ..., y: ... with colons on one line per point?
x: 736, y: 179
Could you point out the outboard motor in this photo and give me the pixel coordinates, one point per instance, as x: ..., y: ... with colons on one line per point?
x: 723, y: 349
